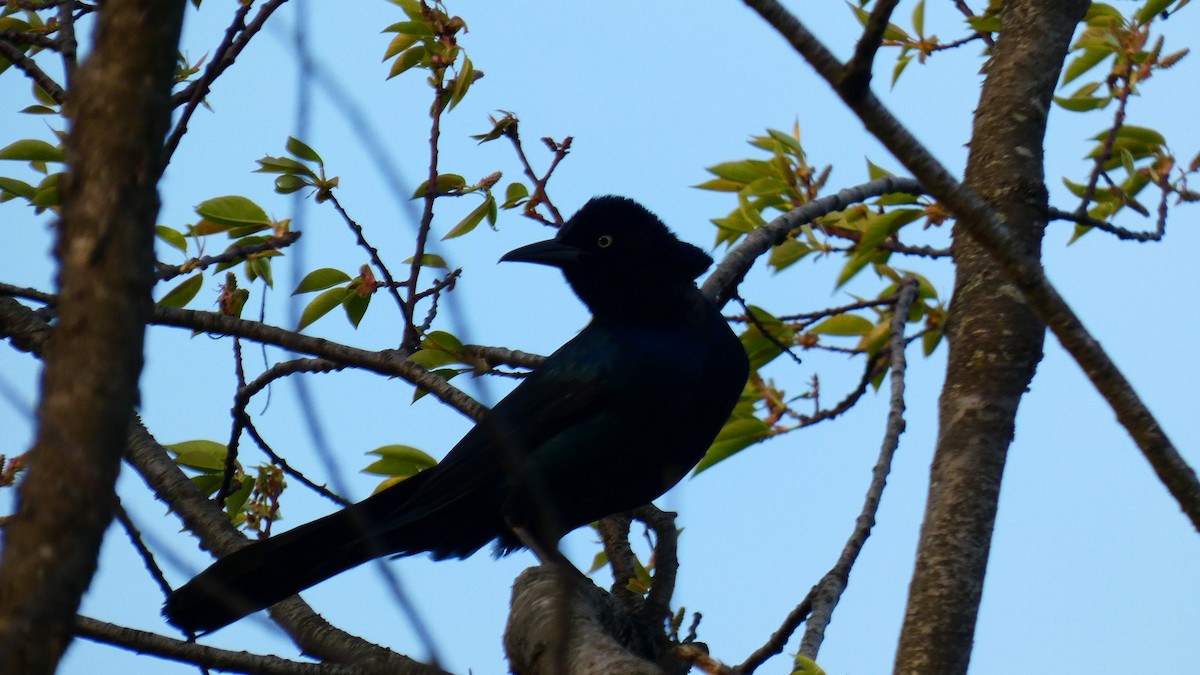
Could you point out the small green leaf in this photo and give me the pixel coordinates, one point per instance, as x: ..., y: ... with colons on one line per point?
x: 399, y: 43
x: 514, y: 195
x: 446, y: 182
x: 321, y: 279
x: 1090, y: 58
x: 403, y: 461
x: 472, y: 220
x: 1151, y: 10
x: 442, y: 340
x: 408, y: 59
x: 16, y: 187
x: 184, y: 292
x: 32, y: 150
x: 430, y: 260
x: 355, y: 306
x: 788, y: 253
x: 737, y: 435
x: 918, y: 17
x: 466, y: 76
x: 843, y: 324
x: 420, y: 28
x: 173, y: 237
x: 233, y: 211
x: 321, y: 305
x: 719, y: 185
x: 202, y: 455
x: 289, y: 183
x: 301, y: 150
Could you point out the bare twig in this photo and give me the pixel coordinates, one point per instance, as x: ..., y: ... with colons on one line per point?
x: 539, y: 195
x: 829, y: 590
x: 373, y: 253
x: 1118, y: 232
x: 135, y: 536
x: 779, y: 639
x: 237, y: 36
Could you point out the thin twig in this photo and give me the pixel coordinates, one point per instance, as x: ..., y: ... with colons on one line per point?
x: 237, y: 36
x: 33, y: 71
x: 539, y: 195
x: 1116, y: 231
x: 829, y: 590
x: 233, y: 253
x: 763, y: 331
x: 373, y: 253
x: 135, y: 536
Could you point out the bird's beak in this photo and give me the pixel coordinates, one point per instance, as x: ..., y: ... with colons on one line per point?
x: 550, y: 252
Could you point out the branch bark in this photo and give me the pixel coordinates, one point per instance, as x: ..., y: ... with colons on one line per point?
x: 995, y: 340
x: 120, y: 109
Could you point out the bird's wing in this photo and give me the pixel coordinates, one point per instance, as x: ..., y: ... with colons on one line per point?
x: 567, y: 389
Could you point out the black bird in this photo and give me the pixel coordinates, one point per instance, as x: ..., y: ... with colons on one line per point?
x: 607, y: 423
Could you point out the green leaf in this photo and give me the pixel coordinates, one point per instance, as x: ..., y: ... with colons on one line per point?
x: 472, y: 220
x: 737, y: 435
x: 430, y: 260
x: 173, y: 237
x: 320, y: 279
x: 418, y: 27
x: 399, y: 43
x: 433, y: 358
x: 1090, y: 58
x: 1151, y: 10
x: 408, y: 59
x: 918, y: 18
x: 289, y: 183
x: 466, y: 76
x: 788, y: 253
x: 446, y: 182
x: 32, y: 150
x: 321, y: 305
x: 515, y: 194
x: 356, y: 307
x: 301, y: 150
x: 285, y: 165
x: 444, y: 373
x: 235, y: 503
x: 403, y: 461
x: 17, y: 187
x: 442, y: 340
x: 742, y: 172
x: 843, y: 324
x: 233, y: 211
x: 202, y: 455
x: 719, y: 185
x: 184, y: 292
x: 1083, y: 103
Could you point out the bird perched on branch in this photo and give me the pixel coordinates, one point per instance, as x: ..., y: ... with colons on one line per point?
x: 609, y: 422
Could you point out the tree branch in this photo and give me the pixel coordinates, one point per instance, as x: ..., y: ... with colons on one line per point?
x: 1023, y: 271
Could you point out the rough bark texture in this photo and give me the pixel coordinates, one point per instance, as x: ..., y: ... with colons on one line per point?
x: 600, y: 637
x: 995, y: 340
x: 119, y: 107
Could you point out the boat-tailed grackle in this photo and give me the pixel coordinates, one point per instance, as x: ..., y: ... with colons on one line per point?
x: 609, y: 422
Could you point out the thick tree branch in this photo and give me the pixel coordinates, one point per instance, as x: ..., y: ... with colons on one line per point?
x: 119, y: 113
x: 722, y: 283
x: 144, y: 642
x: 1023, y: 271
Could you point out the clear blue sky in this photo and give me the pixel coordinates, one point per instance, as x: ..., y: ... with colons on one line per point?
x: 1092, y: 565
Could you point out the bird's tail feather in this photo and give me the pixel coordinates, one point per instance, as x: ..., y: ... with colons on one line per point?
x: 259, y: 575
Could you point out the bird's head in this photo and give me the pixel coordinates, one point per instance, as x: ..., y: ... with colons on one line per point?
x: 614, y: 251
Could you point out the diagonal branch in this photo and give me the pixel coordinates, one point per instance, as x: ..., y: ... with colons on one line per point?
x: 1024, y: 271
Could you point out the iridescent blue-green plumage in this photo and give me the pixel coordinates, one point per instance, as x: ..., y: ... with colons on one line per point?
x: 609, y: 422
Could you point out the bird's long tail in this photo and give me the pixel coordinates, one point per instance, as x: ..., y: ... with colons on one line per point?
x: 263, y: 573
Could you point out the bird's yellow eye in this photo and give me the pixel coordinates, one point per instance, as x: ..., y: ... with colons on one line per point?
x: 604, y: 241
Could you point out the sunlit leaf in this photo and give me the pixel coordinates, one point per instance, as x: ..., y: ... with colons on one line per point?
x: 183, y: 293
x: 321, y: 279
